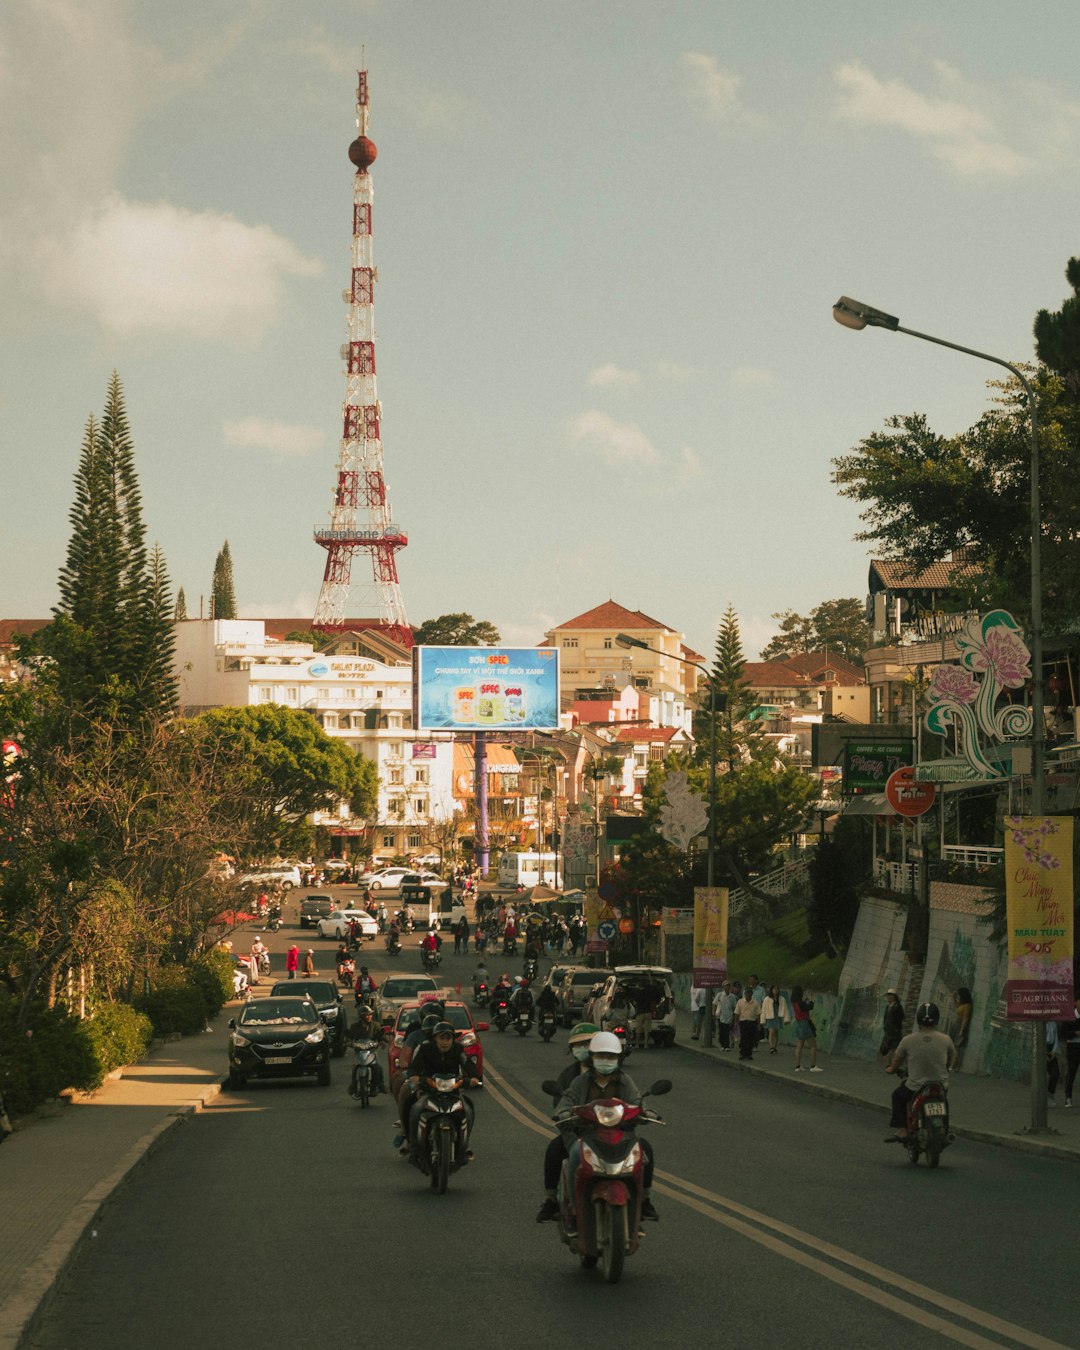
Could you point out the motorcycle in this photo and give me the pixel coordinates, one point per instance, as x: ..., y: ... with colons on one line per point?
x: 241, y: 983
x: 274, y: 921
x: 430, y: 959
x: 601, y: 1220
x: 622, y: 1031
x: 531, y: 968
x: 364, y: 1078
x: 346, y: 972
x: 523, y: 1021
x: 509, y: 946
x: 442, y: 1132
x: 546, y: 1025
x: 502, y: 1014
x: 480, y: 993
x: 928, y: 1124
x: 393, y: 944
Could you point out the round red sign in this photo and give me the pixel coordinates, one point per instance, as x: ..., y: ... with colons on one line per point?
x: 626, y: 926
x: 905, y: 796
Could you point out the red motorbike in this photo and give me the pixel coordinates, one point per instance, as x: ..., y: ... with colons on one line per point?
x: 928, y: 1124
x: 600, y: 1216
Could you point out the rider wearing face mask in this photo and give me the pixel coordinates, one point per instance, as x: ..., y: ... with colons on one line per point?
x: 601, y: 1076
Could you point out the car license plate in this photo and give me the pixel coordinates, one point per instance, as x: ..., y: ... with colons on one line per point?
x: 279, y: 1059
x: 934, y: 1108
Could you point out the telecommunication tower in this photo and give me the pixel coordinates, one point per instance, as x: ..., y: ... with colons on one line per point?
x: 361, y: 521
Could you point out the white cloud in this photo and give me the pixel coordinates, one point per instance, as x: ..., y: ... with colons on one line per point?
x: 610, y: 375
x: 752, y: 377
x: 714, y: 90
x: 143, y: 268
x: 615, y: 442
x: 280, y: 438
x: 955, y: 128
x: 300, y: 606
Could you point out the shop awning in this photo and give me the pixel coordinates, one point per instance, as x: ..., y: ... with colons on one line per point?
x: 870, y: 804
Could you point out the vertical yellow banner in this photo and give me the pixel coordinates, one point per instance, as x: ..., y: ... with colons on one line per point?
x: 1039, y: 913
x: 710, y: 936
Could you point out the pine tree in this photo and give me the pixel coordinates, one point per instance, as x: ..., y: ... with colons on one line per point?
x: 158, y: 685
x: 735, y: 729
x: 222, y: 594
x: 180, y: 612
x: 134, y: 581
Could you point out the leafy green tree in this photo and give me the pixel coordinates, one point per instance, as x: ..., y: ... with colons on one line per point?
x: 457, y: 630
x: 222, y: 590
x: 318, y: 640
x: 289, y: 767
x: 837, y: 626
x: 1057, y: 334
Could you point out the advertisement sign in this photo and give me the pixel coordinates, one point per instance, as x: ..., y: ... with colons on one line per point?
x: 710, y: 936
x: 905, y: 796
x: 868, y: 765
x: 423, y: 750
x: 486, y: 688
x: 1039, y: 915
x: 677, y: 922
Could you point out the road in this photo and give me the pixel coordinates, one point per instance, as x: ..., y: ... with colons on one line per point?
x: 283, y: 1214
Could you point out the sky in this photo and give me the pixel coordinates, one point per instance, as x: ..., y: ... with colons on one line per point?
x: 609, y: 235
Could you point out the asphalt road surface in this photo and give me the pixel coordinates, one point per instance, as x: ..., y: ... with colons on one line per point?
x: 282, y: 1216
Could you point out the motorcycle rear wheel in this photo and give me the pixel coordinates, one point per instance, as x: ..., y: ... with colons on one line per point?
x: 440, y: 1174
x: 611, y: 1239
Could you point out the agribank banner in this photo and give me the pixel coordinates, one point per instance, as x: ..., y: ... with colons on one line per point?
x: 1039, y: 913
x: 710, y: 936
x: 486, y: 688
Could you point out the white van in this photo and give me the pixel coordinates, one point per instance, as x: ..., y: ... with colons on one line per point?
x: 523, y: 869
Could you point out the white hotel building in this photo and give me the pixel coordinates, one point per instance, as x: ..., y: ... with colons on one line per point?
x: 359, y: 690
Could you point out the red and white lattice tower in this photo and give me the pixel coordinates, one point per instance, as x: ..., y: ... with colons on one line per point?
x: 361, y: 521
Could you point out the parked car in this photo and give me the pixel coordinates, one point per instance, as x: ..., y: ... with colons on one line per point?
x: 465, y: 1033
x: 622, y: 989
x: 398, y: 989
x: 388, y: 879
x: 336, y: 924
x: 314, y: 907
x: 283, y: 876
x: 328, y: 1003
x: 577, y: 985
x: 278, y: 1038
x: 431, y: 860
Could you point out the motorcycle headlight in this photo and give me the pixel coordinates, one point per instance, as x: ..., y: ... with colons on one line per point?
x: 314, y: 1037
x: 609, y: 1115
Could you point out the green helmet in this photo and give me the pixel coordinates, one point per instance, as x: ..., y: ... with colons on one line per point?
x: 582, y: 1033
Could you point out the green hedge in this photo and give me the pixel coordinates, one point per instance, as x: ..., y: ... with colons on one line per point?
x: 213, y: 975
x: 118, y: 1034
x: 53, y: 1053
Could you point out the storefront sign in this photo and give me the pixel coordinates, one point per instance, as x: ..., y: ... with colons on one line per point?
x: 1039, y: 913
x: 868, y: 765
x: 906, y: 796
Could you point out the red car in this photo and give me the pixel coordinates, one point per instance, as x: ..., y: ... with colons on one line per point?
x: 465, y: 1033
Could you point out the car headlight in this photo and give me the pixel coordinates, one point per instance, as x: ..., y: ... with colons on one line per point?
x: 314, y: 1037
x: 238, y: 1041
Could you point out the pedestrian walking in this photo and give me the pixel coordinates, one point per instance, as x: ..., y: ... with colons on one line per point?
x: 724, y: 1011
x: 466, y: 933
x: 309, y: 963
x: 892, y: 1024
x: 805, y: 1031
x: 292, y: 961
x: 747, y: 1013
x: 1070, y: 1032
x: 773, y: 1015
x: 1053, y: 1068
x: 698, y: 996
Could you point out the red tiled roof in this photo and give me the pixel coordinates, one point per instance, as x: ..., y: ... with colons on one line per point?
x: 663, y: 734
x: 10, y: 628
x: 773, y: 675
x: 613, y: 615
x: 814, y: 664
x: 896, y: 576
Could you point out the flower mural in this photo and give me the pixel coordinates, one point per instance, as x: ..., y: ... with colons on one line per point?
x: 993, y: 657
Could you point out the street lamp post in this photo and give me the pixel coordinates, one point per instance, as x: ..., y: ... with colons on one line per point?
x: 854, y: 314
x: 625, y: 641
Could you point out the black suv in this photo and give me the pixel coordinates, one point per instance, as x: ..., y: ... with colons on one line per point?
x: 278, y: 1038
x: 327, y: 999
x: 316, y: 907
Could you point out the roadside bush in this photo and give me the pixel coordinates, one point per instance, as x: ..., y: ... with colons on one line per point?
x: 118, y: 1035
x: 213, y: 975
x: 174, y: 1003
x: 51, y: 1055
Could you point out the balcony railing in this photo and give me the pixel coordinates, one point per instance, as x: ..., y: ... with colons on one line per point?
x: 971, y: 856
x: 894, y: 876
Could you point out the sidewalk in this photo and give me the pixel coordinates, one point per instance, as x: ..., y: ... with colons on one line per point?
x: 58, y: 1172
x: 991, y: 1110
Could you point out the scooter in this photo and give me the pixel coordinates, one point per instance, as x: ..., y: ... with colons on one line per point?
x: 274, y: 921
x: 480, y: 993
x: 364, y: 1073
x: 600, y: 1217
x: 264, y: 963
x: 928, y: 1124
x: 430, y: 959
x: 346, y: 972
x: 442, y: 1132
x: 393, y: 944
x: 546, y: 1025
x: 509, y: 946
x: 523, y: 1021
x: 531, y: 968
x: 502, y: 1014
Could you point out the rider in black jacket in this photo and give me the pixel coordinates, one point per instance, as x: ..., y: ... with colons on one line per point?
x: 439, y: 1056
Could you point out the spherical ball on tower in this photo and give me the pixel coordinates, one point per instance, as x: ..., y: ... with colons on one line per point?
x: 362, y: 152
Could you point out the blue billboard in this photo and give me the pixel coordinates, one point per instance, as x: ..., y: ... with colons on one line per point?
x: 486, y: 688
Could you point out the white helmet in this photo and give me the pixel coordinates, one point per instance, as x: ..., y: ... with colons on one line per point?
x: 604, y: 1043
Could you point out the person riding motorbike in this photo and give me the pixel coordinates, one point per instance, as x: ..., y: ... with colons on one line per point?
x: 365, y: 986
x: 521, y: 1000
x: 604, y: 1078
x: 439, y: 1056
x: 501, y: 991
x: 393, y: 935
x: 366, y: 1028
x: 430, y: 943
x: 924, y: 1056
x: 578, y: 1041
x: 421, y: 1033
x: 547, y: 1002
x: 480, y: 976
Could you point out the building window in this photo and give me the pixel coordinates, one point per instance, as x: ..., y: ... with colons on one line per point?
x: 420, y: 776
x: 607, y: 644
x: 323, y: 695
x: 388, y: 841
x: 396, y: 777
x: 291, y: 693
x: 266, y: 694
x: 413, y: 841
x: 569, y: 642
x: 329, y: 721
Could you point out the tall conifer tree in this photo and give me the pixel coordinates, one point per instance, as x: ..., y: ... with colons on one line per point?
x: 180, y: 612
x: 222, y: 592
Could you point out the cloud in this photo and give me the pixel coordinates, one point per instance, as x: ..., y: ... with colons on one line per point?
x: 518, y: 634
x: 611, y: 375
x: 280, y: 438
x: 615, y: 442
x: 689, y: 465
x: 144, y: 268
x: 953, y: 125
x: 752, y: 377
x: 299, y: 606
x: 714, y: 90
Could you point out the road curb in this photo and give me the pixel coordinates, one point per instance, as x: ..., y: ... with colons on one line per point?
x: 1018, y: 1142
x: 23, y: 1310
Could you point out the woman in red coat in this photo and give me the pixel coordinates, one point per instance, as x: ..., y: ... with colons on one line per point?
x: 292, y: 960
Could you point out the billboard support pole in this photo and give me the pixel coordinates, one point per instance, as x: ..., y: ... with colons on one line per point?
x: 481, y: 787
